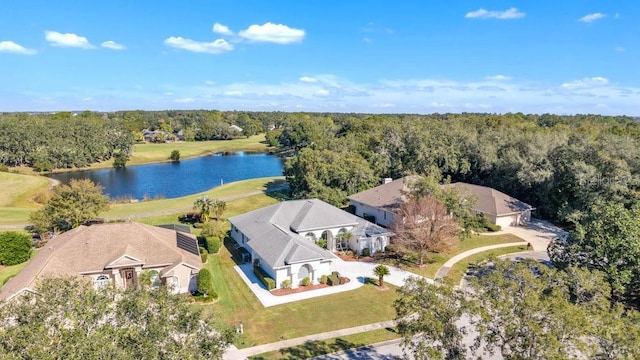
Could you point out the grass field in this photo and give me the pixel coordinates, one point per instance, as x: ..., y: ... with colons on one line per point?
x: 435, y: 261
x: 17, y: 189
x: 317, y: 348
x: 457, y: 271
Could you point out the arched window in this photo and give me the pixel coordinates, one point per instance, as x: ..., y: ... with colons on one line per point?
x: 101, y: 281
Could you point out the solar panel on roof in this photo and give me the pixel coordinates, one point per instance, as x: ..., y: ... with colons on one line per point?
x: 187, y: 243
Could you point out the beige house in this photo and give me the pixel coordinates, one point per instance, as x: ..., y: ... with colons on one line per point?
x: 380, y: 203
x: 114, y: 253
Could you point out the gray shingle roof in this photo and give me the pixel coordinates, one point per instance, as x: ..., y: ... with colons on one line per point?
x: 276, y: 232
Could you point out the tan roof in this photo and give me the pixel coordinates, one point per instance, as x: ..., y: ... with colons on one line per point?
x: 94, y: 248
x: 386, y: 196
x: 489, y: 201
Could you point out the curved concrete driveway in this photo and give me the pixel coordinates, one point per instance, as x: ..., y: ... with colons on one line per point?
x: 538, y: 233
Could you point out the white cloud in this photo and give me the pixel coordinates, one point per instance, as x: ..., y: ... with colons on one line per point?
x: 589, y: 18
x: 185, y: 100
x: 511, y: 13
x: 584, y: 83
x: 112, y: 45
x: 498, y: 77
x: 11, y: 47
x: 67, y: 40
x: 275, y: 33
x: 232, y: 93
x: 308, y: 79
x: 216, y: 47
x: 367, y: 40
x: 221, y: 29
x: 619, y: 49
x: 322, y: 93
x: 209, y: 82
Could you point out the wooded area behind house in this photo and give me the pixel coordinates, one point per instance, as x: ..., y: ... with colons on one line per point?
x: 562, y: 165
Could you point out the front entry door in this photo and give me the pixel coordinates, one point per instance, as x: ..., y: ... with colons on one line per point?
x: 129, y: 276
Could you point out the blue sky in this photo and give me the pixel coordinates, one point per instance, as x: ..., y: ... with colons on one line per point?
x: 565, y: 57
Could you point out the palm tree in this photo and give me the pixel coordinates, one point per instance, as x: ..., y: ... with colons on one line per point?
x: 218, y: 208
x: 381, y: 271
x: 205, y: 205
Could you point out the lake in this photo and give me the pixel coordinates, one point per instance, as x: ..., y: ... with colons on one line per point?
x: 176, y: 179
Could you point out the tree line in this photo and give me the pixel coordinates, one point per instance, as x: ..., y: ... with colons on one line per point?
x: 562, y: 165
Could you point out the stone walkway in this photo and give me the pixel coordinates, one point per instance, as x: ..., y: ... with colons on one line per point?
x: 316, y: 337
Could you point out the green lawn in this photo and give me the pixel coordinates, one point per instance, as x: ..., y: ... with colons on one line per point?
x: 435, y: 261
x: 457, y: 271
x: 237, y: 304
x: 18, y: 189
x: 317, y: 348
x: 225, y: 191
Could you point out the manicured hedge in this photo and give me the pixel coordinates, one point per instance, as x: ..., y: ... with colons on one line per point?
x: 205, y: 283
x: 264, y: 277
x: 213, y: 244
x: 333, y: 280
x: 203, y: 254
x: 366, y: 252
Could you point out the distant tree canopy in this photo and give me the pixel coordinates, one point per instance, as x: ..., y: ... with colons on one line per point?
x: 562, y: 165
x: 61, y: 140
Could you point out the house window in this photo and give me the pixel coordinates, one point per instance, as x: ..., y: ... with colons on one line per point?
x: 101, y: 281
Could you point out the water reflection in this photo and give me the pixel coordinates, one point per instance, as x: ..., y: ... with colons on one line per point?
x: 178, y: 179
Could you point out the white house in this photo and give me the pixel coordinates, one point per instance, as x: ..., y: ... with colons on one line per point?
x: 381, y: 202
x: 292, y: 240
x: 114, y: 253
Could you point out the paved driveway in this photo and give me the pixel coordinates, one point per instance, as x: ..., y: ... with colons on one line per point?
x: 537, y: 232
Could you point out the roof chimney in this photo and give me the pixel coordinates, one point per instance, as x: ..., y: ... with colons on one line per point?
x: 386, y: 180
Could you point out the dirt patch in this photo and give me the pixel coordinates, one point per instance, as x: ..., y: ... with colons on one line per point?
x: 299, y: 289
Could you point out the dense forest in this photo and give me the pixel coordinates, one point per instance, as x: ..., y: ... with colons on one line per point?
x: 562, y: 165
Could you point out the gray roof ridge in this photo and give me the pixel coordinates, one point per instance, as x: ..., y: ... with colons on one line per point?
x: 302, y: 214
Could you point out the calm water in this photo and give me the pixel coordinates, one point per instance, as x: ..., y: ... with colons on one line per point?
x: 171, y: 180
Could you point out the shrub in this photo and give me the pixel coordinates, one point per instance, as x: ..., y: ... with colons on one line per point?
x: 15, y: 248
x: 203, y: 254
x: 213, y: 244
x: 333, y: 280
x: 335, y: 273
x: 264, y: 277
x: 213, y: 228
x: 306, y: 281
x: 175, y: 155
x: 323, y: 279
x: 493, y: 227
x: 286, y: 284
x: 42, y: 166
x: 205, y: 282
x: 4, y: 168
x: 366, y: 252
